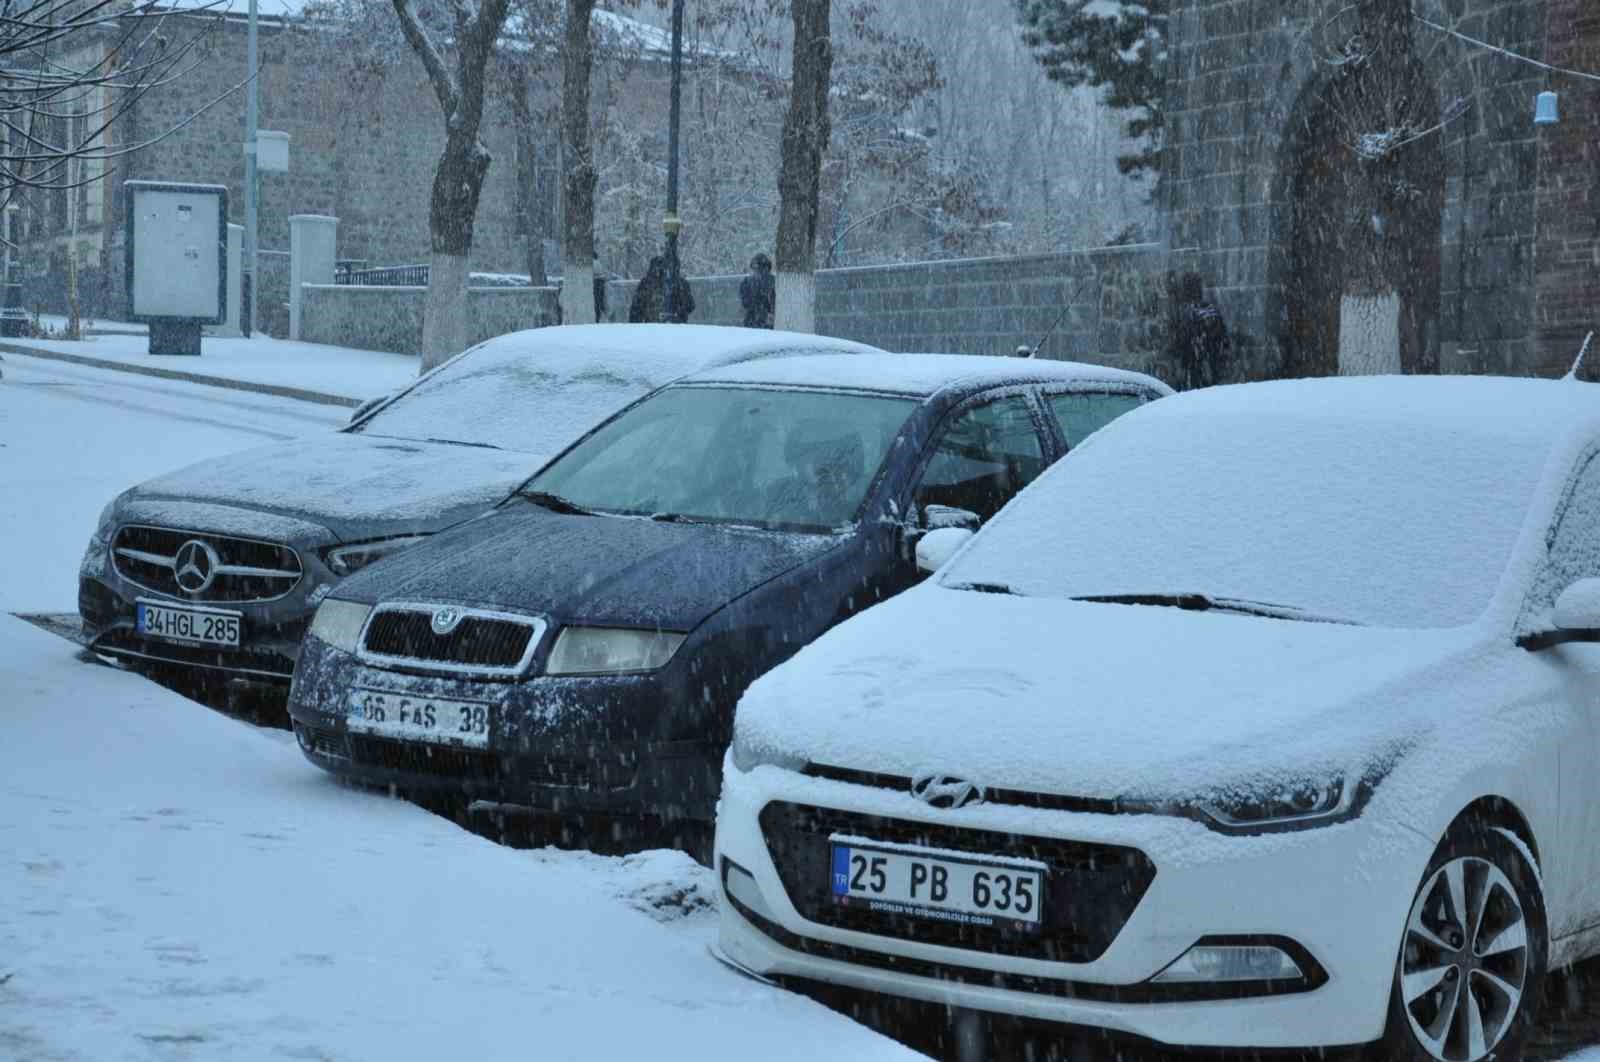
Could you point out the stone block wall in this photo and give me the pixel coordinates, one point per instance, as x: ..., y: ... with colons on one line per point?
x: 1104, y: 306
x: 384, y: 318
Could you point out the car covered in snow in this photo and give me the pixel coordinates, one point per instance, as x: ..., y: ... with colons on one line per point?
x: 216, y: 568
x: 580, y: 650
x: 1269, y: 720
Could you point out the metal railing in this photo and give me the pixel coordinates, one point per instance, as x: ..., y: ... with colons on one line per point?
x: 410, y: 276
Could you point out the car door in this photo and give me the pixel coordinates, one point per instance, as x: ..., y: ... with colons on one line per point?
x: 1079, y: 412
x: 1573, y: 553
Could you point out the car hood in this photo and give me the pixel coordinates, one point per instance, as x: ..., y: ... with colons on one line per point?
x: 356, y: 486
x: 588, y: 569
x: 1100, y: 700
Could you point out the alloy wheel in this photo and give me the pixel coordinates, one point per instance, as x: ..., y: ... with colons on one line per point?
x: 1464, y: 968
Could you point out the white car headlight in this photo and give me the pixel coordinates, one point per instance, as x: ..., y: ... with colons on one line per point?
x: 346, y: 560
x: 1312, y: 802
x: 339, y: 623
x: 611, y: 651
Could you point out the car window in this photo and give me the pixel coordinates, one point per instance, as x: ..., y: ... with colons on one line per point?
x: 983, y: 458
x: 762, y: 457
x: 1082, y: 414
x: 1573, y: 547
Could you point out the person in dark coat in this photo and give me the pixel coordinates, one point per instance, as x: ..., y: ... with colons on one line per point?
x: 1202, y: 341
x: 649, y: 299
x: 758, y: 293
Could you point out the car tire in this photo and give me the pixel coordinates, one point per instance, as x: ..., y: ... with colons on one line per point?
x: 1466, y: 987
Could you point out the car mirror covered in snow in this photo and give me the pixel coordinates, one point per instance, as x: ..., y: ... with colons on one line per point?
x: 940, y: 545
x: 1578, y: 608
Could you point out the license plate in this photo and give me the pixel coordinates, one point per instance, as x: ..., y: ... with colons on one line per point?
x: 943, y: 886
x: 181, y: 624
x: 413, y: 718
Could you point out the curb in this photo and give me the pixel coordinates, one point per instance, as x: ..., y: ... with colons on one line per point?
x: 304, y: 395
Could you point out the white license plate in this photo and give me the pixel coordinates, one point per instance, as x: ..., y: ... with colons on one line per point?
x: 902, y: 879
x: 178, y: 624
x: 413, y: 718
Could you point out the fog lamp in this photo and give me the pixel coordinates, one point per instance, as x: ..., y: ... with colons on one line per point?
x: 1213, y: 963
x: 741, y: 887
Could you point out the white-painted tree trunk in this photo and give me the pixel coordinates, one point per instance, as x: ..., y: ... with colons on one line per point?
x: 444, y: 318
x: 577, y: 293
x: 796, y: 309
x: 1369, y: 335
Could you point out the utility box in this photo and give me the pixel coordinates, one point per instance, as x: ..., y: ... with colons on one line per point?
x: 272, y: 151
x: 176, y: 251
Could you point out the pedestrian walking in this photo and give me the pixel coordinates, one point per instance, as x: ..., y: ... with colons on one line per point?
x: 758, y: 293
x: 1202, y: 342
x: 649, y: 299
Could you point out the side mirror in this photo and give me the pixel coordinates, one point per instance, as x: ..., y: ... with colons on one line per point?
x: 1577, y: 616
x: 948, y: 516
x: 939, y: 545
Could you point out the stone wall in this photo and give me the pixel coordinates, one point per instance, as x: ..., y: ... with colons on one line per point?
x: 373, y: 318
x: 1103, y: 306
x: 1246, y: 76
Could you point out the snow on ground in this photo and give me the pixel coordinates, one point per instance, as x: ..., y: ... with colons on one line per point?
x: 358, y: 374
x: 179, y: 885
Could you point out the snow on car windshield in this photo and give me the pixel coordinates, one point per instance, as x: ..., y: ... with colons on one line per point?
x: 1372, y: 520
x: 800, y: 460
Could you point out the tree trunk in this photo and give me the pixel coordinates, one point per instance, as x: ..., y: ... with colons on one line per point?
x: 577, y: 236
x: 457, y: 184
x: 805, y: 138
x: 529, y: 209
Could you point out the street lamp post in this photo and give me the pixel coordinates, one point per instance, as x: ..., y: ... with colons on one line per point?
x: 672, y: 223
x: 251, y: 119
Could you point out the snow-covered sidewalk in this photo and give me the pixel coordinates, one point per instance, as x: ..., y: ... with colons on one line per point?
x: 178, y: 884
x: 277, y: 365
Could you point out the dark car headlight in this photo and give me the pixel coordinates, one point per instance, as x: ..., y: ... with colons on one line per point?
x: 339, y: 623
x: 347, y: 560
x: 611, y: 651
x: 1304, y: 803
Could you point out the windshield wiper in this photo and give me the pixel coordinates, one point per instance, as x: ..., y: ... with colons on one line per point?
x: 463, y: 442
x: 1192, y: 602
x: 554, y: 502
x: 681, y: 518
x: 985, y: 588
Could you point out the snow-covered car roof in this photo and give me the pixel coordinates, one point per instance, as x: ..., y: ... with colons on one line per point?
x: 921, y: 375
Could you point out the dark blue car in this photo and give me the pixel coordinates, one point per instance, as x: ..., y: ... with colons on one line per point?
x: 580, y: 649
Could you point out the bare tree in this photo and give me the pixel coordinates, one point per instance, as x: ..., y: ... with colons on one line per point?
x: 805, y: 138
x: 458, y: 179
x: 577, y: 236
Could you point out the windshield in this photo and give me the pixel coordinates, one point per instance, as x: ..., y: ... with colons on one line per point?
x: 799, y: 460
x: 500, y: 396
x: 1389, y: 524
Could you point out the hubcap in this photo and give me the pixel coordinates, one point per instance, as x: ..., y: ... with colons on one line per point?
x: 1465, y: 962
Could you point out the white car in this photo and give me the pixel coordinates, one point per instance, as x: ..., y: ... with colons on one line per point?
x: 1269, y: 718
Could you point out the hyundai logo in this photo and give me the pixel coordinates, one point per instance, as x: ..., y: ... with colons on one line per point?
x: 944, y: 791
x: 445, y: 619
x: 195, y: 566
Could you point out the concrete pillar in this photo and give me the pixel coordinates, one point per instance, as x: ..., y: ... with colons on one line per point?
x: 312, y: 239
x: 230, y: 327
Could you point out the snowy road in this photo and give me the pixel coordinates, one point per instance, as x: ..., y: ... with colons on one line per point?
x: 175, y: 884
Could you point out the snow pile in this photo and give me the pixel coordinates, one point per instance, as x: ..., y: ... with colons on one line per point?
x: 923, y: 374
x: 177, y: 881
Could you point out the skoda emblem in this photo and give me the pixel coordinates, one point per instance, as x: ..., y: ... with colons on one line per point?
x: 944, y: 791
x: 446, y: 619
x: 195, y: 566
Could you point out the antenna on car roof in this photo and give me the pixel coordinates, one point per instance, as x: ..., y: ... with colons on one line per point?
x: 1572, y: 373
x: 1025, y: 351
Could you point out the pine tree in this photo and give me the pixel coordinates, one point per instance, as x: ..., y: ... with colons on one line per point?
x: 1111, y: 44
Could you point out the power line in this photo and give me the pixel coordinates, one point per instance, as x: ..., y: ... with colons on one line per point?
x: 1507, y: 52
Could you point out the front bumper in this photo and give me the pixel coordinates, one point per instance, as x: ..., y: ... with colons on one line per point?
x: 1340, y: 894
x: 557, y: 745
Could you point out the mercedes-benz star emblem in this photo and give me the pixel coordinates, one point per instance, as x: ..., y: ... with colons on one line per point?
x: 944, y: 791
x: 195, y: 566
x: 445, y: 619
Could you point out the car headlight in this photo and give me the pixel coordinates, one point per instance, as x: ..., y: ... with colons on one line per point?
x: 1310, y: 802
x: 346, y: 560
x: 339, y: 623
x: 611, y: 651
x: 748, y: 753
x: 103, y: 524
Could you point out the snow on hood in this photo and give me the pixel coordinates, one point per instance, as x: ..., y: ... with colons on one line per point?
x: 1098, y: 700
x: 588, y: 569
x: 357, y: 486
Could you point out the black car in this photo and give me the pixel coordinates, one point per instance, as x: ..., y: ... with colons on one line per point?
x: 581, y: 648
